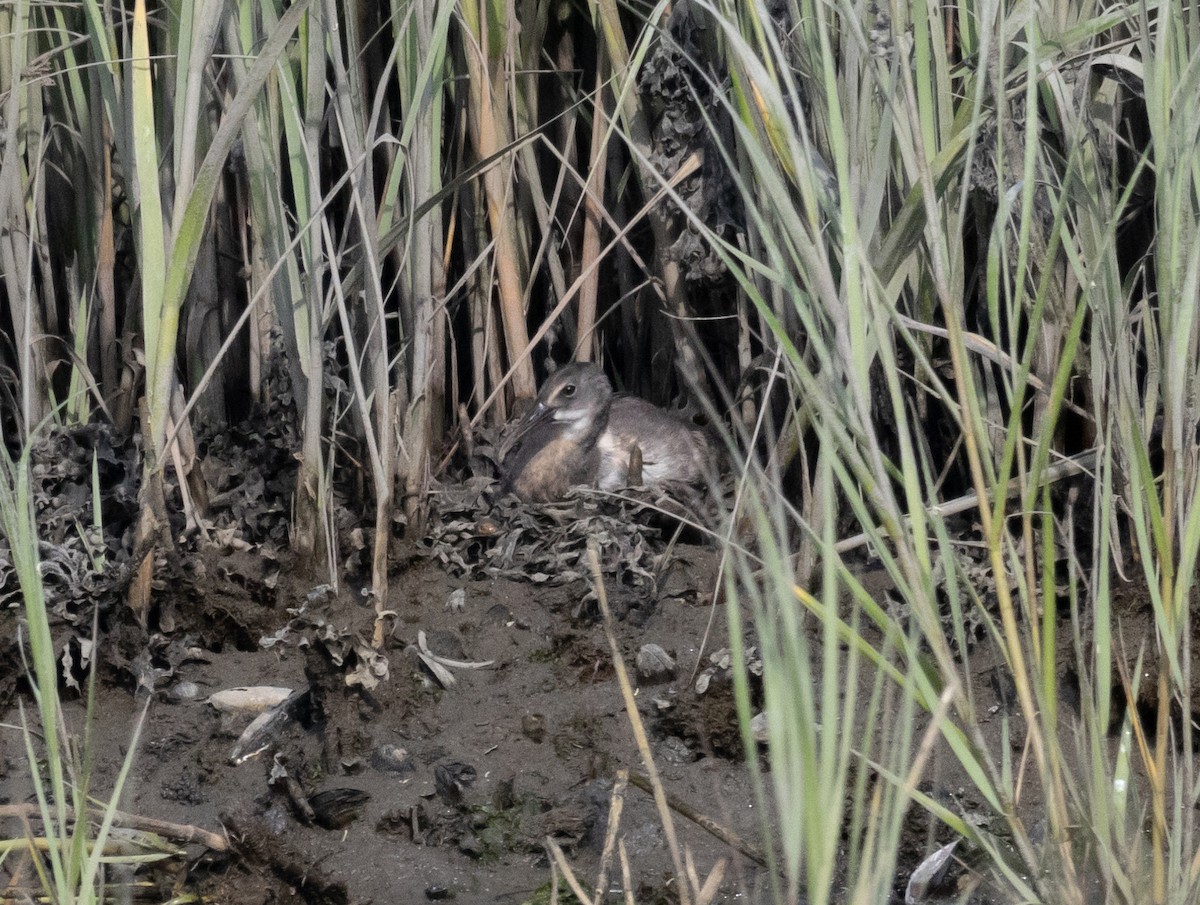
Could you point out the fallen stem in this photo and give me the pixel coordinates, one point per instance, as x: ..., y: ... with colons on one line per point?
x: 722, y: 832
x: 176, y: 832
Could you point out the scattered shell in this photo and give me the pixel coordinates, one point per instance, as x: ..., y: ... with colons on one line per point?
x: 929, y: 874
x: 451, y: 779
x: 249, y: 699
x: 371, y: 668
x: 442, y: 675
x: 322, y: 593
x: 722, y: 666
x: 654, y: 664
x: 182, y: 692
x: 423, y: 644
x: 457, y: 602
x: 257, y: 737
x: 265, y: 728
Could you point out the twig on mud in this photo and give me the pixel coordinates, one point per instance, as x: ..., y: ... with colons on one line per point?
x: 639, y: 729
x: 176, y: 832
x: 722, y: 832
x: 560, y: 861
x: 616, y: 805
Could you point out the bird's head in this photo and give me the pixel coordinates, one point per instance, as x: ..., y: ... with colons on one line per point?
x: 576, y: 396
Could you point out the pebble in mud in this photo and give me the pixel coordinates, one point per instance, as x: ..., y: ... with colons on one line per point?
x: 675, y: 751
x: 392, y: 759
x: 182, y: 692
x: 533, y: 727
x: 654, y: 664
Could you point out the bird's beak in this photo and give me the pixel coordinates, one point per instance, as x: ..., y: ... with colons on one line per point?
x: 535, y: 416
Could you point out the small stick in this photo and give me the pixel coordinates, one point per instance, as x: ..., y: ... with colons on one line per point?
x: 615, y: 806
x: 639, y: 729
x: 726, y: 835
x: 468, y: 431
x: 177, y: 832
x: 635, y: 467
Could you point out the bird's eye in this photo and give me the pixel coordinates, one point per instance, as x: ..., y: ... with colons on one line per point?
x: 569, y: 390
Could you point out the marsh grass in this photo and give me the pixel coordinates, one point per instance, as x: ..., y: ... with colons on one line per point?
x: 961, y: 265
x: 1045, y: 311
x: 71, y: 855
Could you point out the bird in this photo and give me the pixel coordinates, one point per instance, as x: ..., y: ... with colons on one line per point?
x: 580, y: 433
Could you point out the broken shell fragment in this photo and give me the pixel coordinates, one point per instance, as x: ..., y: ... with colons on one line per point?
x: 334, y: 809
x: 929, y: 875
x: 267, y: 726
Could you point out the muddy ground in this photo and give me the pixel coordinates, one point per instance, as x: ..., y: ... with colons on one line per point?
x: 465, y: 783
x: 409, y: 791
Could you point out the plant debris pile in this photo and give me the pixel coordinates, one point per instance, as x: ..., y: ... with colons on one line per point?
x: 250, y: 471
x: 249, y: 468
x: 474, y: 537
x: 85, y: 548
x: 689, y: 120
